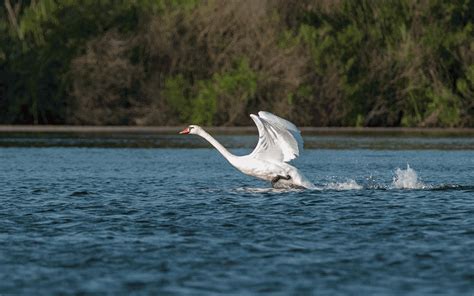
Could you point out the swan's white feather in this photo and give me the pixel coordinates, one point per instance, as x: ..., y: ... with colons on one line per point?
x: 279, y: 140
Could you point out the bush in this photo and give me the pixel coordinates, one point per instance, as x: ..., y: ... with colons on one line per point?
x: 160, y: 62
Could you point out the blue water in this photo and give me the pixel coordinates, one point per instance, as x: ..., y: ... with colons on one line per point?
x: 182, y: 221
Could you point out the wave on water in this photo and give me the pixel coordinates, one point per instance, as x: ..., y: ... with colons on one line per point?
x: 348, y: 185
x: 407, y: 179
x: 266, y: 190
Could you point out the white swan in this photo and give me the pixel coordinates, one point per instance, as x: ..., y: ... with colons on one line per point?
x: 279, y: 142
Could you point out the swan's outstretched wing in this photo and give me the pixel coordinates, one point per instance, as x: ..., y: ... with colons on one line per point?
x: 279, y: 139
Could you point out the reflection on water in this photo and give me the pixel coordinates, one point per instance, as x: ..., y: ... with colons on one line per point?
x: 153, y: 140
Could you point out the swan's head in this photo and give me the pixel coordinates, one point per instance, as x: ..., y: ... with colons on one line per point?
x: 192, y: 129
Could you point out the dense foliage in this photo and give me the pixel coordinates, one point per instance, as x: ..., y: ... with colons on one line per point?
x: 166, y: 62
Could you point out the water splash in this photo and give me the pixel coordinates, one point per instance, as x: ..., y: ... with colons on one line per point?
x: 265, y: 190
x: 348, y: 185
x: 407, y: 179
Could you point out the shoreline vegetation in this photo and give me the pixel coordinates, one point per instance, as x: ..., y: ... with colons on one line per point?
x: 170, y: 62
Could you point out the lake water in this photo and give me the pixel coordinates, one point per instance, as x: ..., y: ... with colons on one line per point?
x: 182, y: 221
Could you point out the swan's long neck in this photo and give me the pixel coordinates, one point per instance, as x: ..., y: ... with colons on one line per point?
x: 229, y: 156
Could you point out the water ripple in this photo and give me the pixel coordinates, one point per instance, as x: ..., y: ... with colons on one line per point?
x: 125, y: 221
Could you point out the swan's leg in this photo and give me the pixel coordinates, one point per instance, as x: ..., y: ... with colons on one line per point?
x: 278, y: 178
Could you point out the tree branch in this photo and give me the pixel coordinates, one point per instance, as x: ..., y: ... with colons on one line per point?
x: 12, y: 16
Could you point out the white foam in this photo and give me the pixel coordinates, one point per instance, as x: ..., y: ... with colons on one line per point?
x: 265, y: 190
x: 348, y: 185
x: 407, y: 179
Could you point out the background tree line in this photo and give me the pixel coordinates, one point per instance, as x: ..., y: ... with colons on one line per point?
x: 168, y: 62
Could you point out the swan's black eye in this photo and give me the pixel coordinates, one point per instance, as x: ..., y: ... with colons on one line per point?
x: 190, y: 128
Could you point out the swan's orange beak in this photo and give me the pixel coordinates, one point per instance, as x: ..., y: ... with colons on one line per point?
x: 185, y: 131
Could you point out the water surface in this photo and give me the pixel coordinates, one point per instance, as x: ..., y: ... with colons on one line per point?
x: 182, y: 221
x: 332, y: 139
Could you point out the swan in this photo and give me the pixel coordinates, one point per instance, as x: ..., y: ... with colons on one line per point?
x: 279, y: 142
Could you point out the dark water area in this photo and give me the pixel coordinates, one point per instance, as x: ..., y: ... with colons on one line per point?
x: 330, y: 139
x: 182, y: 221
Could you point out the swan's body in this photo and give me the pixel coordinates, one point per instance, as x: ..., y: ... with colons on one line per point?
x: 279, y: 142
